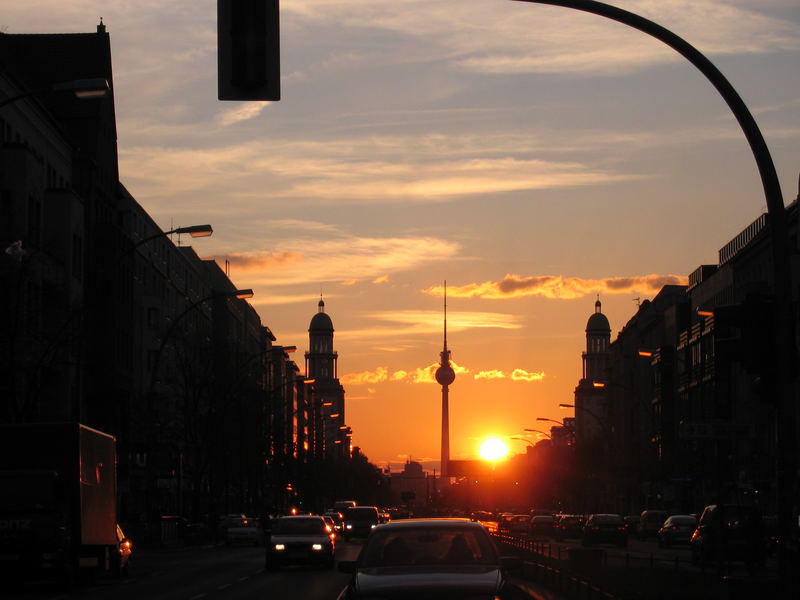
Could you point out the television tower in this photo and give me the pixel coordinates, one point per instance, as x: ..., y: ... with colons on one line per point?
x: 445, y: 376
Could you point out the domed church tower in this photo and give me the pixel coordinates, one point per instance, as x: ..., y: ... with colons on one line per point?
x: 590, y: 395
x: 598, y: 337
x: 332, y: 433
x: 321, y: 359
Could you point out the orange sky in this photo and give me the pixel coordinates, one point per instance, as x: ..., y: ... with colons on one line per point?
x: 531, y: 156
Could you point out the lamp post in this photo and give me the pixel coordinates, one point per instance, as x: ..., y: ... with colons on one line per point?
x: 82, y: 88
x: 522, y: 439
x: 193, y: 230
x: 544, y: 433
x: 783, y: 318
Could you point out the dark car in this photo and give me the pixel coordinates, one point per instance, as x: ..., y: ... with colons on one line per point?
x: 541, y: 526
x: 300, y: 540
x: 360, y: 520
x: 650, y: 521
x: 604, y: 529
x: 337, y: 518
x: 631, y: 523
x: 677, y: 529
x: 727, y: 532
x: 568, y: 526
x: 424, y: 558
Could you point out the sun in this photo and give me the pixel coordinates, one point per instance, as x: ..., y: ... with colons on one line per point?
x: 493, y: 449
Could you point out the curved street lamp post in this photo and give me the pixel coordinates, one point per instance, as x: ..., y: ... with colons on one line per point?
x: 783, y: 323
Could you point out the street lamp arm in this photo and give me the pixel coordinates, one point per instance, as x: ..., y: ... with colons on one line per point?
x: 766, y: 167
x: 192, y: 306
x: 193, y: 230
x: 82, y: 88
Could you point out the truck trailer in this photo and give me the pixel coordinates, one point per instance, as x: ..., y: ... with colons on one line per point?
x: 58, y: 502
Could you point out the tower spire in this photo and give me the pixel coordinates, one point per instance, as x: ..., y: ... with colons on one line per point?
x: 445, y: 375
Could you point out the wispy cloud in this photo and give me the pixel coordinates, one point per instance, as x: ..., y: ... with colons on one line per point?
x: 243, y: 112
x: 557, y: 286
x: 523, y: 375
x: 492, y: 374
x: 381, y: 279
x: 516, y: 375
x: 343, y: 259
x: 428, y: 375
x: 259, y: 261
x: 365, y: 377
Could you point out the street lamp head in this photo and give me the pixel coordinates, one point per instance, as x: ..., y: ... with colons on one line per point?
x: 84, y: 88
x: 597, y: 384
x: 704, y: 312
x: 646, y: 353
x: 242, y: 294
x: 564, y: 405
x: 196, y: 230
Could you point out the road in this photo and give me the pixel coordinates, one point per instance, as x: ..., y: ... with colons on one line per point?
x: 205, y: 573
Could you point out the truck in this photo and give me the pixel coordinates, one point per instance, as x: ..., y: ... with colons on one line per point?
x: 58, y: 506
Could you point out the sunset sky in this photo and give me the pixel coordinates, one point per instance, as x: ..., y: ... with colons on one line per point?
x: 532, y: 156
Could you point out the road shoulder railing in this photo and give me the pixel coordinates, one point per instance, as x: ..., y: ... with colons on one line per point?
x: 597, y: 573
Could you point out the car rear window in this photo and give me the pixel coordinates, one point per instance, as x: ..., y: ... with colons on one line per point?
x: 298, y: 526
x: 361, y: 513
x: 428, y: 546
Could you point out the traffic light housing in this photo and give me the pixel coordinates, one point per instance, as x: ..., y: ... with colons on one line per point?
x: 248, y: 50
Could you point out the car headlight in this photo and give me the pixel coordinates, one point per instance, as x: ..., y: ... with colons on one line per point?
x: 280, y: 547
x: 372, y: 526
x: 348, y: 526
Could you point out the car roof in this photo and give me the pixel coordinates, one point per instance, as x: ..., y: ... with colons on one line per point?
x: 432, y: 522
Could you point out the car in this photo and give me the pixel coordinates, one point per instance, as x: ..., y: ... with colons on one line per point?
x: 568, y: 526
x: 121, y: 562
x: 300, y: 540
x: 677, y: 529
x: 631, y: 523
x: 604, y: 528
x: 518, y: 525
x: 541, y: 526
x: 338, y: 520
x: 730, y: 532
x: 240, y: 529
x: 417, y: 558
x: 504, y: 522
x: 360, y: 520
x: 650, y: 521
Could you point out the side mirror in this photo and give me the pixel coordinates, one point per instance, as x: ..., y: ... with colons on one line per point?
x: 348, y: 566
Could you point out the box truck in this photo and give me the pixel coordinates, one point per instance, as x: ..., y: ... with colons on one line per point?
x: 58, y: 502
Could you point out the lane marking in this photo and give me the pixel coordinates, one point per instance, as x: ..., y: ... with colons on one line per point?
x: 198, y: 596
x: 244, y: 578
x: 222, y: 587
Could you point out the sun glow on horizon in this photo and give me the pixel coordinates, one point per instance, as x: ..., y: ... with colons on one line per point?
x: 493, y: 449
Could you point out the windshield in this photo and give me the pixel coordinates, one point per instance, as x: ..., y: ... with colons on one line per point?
x: 428, y: 546
x: 299, y: 526
x: 361, y: 514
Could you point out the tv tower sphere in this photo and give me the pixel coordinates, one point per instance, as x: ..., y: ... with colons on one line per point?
x: 445, y: 375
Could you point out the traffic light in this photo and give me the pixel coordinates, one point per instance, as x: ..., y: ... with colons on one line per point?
x: 248, y: 50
